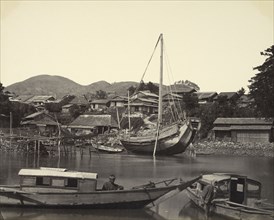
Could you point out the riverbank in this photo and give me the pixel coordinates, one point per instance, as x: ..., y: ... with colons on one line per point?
x: 205, y: 147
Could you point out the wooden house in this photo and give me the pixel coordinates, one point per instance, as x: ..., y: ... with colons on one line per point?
x: 206, y: 97
x: 41, y: 121
x: 172, y: 97
x: 22, y: 98
x: 92, y: 124
x: 80, y: 101
x: 40, y: 100
x: 145, y: 95
x: 243, y: 129
x: 118, y: 101
x: 143, y: 106
x: 228, y: 96
x: 182, y: 89
x: 100, y: 104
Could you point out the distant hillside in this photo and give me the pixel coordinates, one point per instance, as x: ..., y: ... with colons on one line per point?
x: 59, y: 86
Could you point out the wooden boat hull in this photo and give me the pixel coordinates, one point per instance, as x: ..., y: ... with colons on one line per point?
x: 137, y: 198
x: 122, y: 199
x: 175, y: 143
x: 106, y: 149
x: 235, y: 212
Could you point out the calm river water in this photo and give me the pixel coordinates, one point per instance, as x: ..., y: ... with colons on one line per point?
x: 132, y: 170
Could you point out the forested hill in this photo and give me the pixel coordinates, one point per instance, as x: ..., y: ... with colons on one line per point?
x: 59, y: 86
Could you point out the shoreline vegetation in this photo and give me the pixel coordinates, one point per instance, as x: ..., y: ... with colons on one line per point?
x: 206, y: 147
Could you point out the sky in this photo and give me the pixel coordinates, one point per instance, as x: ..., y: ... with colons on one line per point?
x: 215, y: 44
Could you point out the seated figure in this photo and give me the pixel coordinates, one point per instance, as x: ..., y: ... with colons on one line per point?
x: 110, y: 185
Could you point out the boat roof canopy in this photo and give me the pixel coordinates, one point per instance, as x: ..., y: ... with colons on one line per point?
x: 57, y: 172
x: 217, y: 177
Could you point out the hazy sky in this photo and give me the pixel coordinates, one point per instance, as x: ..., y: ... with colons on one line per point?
x: 212, y: 43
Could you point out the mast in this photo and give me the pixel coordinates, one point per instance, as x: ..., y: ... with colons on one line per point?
x: 160, y: 103
x: 129, y: 125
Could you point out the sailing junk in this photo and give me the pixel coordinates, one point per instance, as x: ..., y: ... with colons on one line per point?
x: 167, y: 140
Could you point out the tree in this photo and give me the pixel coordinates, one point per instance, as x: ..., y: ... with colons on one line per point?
x: 261, y: 88
x: 190, y: 103
x: 101, y: 94
x: 143, y: 87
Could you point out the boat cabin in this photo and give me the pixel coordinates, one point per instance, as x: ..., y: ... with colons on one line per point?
x: 235, y: 188
x: 45, y: 179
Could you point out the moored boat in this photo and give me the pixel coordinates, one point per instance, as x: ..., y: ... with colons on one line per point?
x: 60, y: 188
x: 167, y: 139
x: 107, y: 149
x: 234, y: 196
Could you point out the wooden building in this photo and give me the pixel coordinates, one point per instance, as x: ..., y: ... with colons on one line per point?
x: 143, y: 106
x: 206, y: 97
x: 172, y: 97
x: 182, y: 89
x: 244, y: 129
x: 42, y: 122
x: 118, y: 101
x: 92, y: 124
x: 228, y: 96
x: 80, y: 101
x: 100, y: 104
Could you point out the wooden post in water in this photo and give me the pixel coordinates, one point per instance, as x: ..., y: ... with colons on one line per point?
x: 34, y: 154
x: 38, y: 153
x: 118, y: 119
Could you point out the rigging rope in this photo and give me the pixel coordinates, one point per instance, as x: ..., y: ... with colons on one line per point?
x: 170, y: 89
x: 148, y: 63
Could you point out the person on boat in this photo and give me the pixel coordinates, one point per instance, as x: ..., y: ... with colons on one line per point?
x: 111, y: 185
x: 207, y: 197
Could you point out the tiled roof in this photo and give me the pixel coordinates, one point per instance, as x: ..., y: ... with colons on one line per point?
x: 144, y: 100
x: 119, y: 98
x: 23, y: 98
x: 243, y: 121
x: 229, y: 95
x: 35, y: 114
x: 206, y: 95
x: 147, y: 93
x: 100, y: 101
x: 39, y: 98
x: 94, y: 120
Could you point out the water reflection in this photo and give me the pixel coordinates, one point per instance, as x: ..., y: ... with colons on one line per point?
x: 83, y: 214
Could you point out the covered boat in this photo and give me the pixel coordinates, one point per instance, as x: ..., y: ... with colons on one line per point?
x: 60, y: 188
x: 234, y: 196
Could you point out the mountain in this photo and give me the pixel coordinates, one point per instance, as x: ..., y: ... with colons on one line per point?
x: 60, y: 86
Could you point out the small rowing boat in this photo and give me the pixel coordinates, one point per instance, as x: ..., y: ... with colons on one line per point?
x: 107, y: 149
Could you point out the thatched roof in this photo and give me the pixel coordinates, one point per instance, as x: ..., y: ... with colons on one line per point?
x: 90, y: 121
